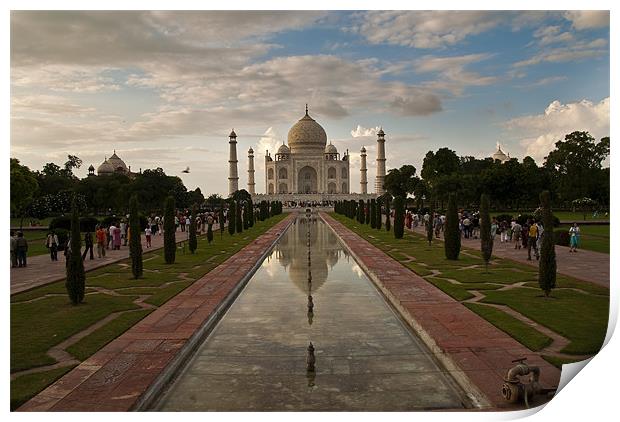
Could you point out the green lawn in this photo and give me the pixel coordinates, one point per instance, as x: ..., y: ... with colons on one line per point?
x: 22, y: 388
x: 577, y: 310
x: 564, y: 216
x: 593, y: 238
x: 43, y: 317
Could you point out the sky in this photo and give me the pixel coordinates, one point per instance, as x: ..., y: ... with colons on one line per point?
x: 164, y: 89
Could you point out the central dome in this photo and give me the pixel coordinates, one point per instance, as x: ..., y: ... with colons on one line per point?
x: 307, y: 136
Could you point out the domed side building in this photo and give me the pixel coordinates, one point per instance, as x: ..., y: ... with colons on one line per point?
x: 308, y: 165
x: 112, y: 165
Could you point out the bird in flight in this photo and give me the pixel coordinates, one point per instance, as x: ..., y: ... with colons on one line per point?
x: 186, y: 170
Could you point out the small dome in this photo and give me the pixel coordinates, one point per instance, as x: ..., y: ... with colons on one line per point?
x: 117, y: 164
x: 105, y: 168
x: 381, y: 132
x: 330, y: 149
x: 363, y: 149
x: 91, y: 168
x: 499, y: 154
x: 232, y: 134
x: 284, y: 149
x: 307, y: 134
x: 251, y: 151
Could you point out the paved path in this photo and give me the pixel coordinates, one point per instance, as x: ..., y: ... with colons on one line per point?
x: 471, y: 348
x: 117, y: 376
x: 41, y: 270
x: 584, y: 265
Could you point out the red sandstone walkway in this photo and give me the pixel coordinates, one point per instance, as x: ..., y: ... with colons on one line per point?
x: 117, y: 376
x: 584, y: 265
x: 464, y: 342
x: 41, y: 270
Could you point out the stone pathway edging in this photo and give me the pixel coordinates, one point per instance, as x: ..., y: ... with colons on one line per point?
x: 117, y: 377
x: 472, y: 349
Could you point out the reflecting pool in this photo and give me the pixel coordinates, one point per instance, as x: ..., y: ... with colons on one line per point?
x: 364, y: 357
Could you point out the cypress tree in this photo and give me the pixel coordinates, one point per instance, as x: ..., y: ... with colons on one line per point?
x: 360, y: 211
x: 367, y: 213
x: 220, y: 219
x: 452, y: 235
x: 399, y: 217
x: 547, y: 266
x: 193, y: 241
x: 246, y: 215
x: 373, y: 214
x: 232, y: 217
x: 388, y: 222
x: 379, y: 214
x: 135, y: 244
x: 250, y: 213
x: 76, y: 277
x: 210, y: 233
x: 486, y: 240
x: 170, y: 244
x: 238, y: 219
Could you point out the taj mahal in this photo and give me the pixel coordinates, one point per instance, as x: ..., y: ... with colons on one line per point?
x: 308, y: 168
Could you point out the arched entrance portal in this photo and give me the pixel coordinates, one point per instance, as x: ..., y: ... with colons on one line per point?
x: 307, y: 180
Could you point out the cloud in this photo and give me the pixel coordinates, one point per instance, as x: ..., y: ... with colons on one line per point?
x: 361, y: 131
x: 588, y: 19
x: 570, y: 52
x: 453, y: 76
x: 547, y: 81
x: 552, y: 34
x: 539, y: 132
x: 423, y: 29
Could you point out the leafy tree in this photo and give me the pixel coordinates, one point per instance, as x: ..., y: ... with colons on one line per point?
x: 214, y: 200
x: 402, y: 181
x: 135, y: 244
x: 399, y: 217
x: 547, y: 266
x: 24, y: 186
x: 246, y: 215
x: 193, y: 240
x: 76, y: 277
x: 378, y: 217
x: 486, y: 240
x: 195, y: 197
x: 232, y: 217
x: 452, y: 235
x: 170, y: 244
x: 73, y: 161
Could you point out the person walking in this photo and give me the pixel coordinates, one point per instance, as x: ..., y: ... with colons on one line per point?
x: 574, y: 232
x: 124, y: 232
x: 88, y: 242
x: 52, y: 245
x: 116, y: 238
x: 531, y: 241
x: 493, y: 228
x: 100, y: 234
x: 13, y: 250
x: 21, y: 249
x: 516, y: 234
x: 147, y: 235
x: 110, y: 233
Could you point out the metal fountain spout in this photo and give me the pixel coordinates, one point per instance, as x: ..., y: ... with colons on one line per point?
x: 513, y: 390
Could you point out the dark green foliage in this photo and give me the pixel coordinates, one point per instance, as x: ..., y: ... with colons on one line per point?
x: 367, y: 212
x: 238, y: 218
x: 135, y: 245
x: 246, y: 215
x: 486, y: 240
x: 193, y: 240
x: 379, y: 215
x: 220, y: 219
x: 250, y: 210
x: 373, y: 214
x: 232, y: 213
x: 360, y: 212
x: 547, y: 266
x: 210, y: 233
x: 399, y: 217
x: 76, y: 278
x: 388, y: 222
x: 452, y: 234
x: 170, y: 245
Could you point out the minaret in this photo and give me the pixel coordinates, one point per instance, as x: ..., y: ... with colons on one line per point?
x: 380, y: 180
x: 363, y: 171
x: 233, y: 176
x: 251, y: 172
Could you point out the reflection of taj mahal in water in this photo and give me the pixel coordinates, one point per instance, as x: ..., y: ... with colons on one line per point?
x: 292, y: 253
x: 308, y: 168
